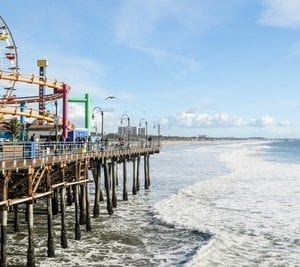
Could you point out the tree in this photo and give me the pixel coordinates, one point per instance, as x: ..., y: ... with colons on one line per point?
x: 14, y: 127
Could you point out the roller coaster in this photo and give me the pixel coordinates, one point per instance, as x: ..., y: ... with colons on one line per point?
x: 10, y: 104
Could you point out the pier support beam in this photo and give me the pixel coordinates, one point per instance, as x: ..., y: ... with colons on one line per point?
x: 138, y: 174
x: 134, y: 191
x: 50, y: 251
x: 125, y: 193
x: 88, y: 216
x: 16, y: 219
x: 63, y: 234
x: 96, y: 175
x: 3, y: 261
x: 100, y: 188
x: 83, y: 195
x: 30, y: 250
x: 146, y: 172
x: 107, y: 188
x: 76, y: 198
x: 82, y: 219
x: 114, y: 193
x: 87, y: 203
x: 69, y: 196
x: 117, y: 174
x: 55, y: 203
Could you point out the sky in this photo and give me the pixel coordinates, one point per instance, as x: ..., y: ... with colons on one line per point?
x: 224, y: 68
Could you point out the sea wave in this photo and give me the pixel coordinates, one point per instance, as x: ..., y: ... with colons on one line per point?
x: 252, y: 212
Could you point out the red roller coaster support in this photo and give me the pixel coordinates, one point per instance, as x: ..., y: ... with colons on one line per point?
x: 66, y: 90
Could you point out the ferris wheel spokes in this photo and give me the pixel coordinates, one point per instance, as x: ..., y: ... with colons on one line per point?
x: 8, y: 57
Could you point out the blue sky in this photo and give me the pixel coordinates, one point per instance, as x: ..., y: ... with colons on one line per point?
x: 218, y: 67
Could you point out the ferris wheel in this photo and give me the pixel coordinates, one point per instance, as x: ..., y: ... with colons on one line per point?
x: 8, y: 58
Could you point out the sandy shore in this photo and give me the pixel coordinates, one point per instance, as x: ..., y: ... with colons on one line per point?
x: 201, y: 142
x: 178, y: 142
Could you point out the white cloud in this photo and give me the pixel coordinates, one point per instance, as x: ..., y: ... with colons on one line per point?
x: 265, y: 121
x: 194, y: 120
x: 219, y: 120
x: 268, y: 121
x: 281, y: 13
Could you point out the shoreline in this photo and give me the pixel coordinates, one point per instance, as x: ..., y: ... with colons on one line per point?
x: 199, y: 142
x: 181, y: 142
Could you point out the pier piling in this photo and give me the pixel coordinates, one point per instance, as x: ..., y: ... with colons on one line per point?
x: 16, y: 219
x: 30, y: 251
x: 96, y: 171
x: 63, y: 235
x: 3, y: 261
x: 5, y: 190
x: 114, y: 193
x: 87, y: 204
x: 148, y: 171
x: 69, y: 196
x: 76, y: 198
x: 125, y: 193
x: 134, y: 191
x: 50, y: 252
x: 107, y: 188
x: 145, y: 173
x: 55, y: 202
x: 138, y: 173
x: 82, y: 198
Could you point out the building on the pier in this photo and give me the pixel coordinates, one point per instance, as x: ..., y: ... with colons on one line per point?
x: 44, y: 131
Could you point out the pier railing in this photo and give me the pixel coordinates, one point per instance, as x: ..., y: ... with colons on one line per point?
x: 35, y: 150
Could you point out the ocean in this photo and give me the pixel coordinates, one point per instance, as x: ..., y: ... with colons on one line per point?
x: 217, y: 204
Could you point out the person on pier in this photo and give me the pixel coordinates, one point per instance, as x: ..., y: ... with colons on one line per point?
x: 32, y: 138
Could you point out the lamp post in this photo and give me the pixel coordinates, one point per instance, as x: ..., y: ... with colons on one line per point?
x: 95, y: 109
x: 125, y: 116
x: 158, y: 133
x: 146, y: 133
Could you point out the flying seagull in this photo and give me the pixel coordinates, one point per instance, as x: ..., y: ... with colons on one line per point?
x: 110, y: 97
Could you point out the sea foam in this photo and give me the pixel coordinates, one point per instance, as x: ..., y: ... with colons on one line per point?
x: 252, y: 212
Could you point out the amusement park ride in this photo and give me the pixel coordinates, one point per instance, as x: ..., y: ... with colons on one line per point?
x: 10, y: 104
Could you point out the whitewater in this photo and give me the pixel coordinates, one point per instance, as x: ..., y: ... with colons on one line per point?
x: 252, y: 212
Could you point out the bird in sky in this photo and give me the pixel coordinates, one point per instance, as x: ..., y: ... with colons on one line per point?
x: 110, y: 97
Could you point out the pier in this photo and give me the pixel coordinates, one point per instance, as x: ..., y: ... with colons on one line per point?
x: 58, y: 174
x: 55, y: 170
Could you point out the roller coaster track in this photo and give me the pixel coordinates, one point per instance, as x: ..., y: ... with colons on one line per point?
x: 58, y: 89
x: 29, y: 114
x: 29, y: 99
x: 31, y: 79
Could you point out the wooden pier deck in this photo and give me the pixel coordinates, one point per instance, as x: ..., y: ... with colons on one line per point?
x: 60, y: 174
